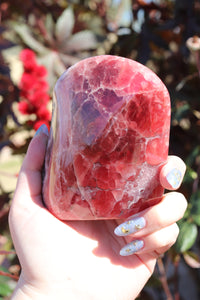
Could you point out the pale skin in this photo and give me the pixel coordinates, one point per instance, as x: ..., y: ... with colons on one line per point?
x: 80, y: 259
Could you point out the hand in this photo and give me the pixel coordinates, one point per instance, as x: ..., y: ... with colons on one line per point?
x: 80, y: 259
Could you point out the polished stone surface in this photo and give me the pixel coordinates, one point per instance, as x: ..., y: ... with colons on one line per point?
x: 109, y: 138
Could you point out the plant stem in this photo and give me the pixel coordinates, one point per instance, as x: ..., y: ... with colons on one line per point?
x: 197, y: 58
x: 196, y: 181
x: 163, y: 279
x: 9, y: 275
x: 176, y: 264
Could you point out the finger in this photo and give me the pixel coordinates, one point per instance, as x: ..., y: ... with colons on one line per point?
x: 165, y: 213
x: 162, y: 239
x: 172, y: 173
x: 29, y: 181
x: 34, y: 158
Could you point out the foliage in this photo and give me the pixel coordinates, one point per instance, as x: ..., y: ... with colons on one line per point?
x: 161, y: 34
x: 5, y: 289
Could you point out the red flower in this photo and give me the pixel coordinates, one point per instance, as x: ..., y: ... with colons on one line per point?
x: 27, y: 56
x: 27, y: 82
x: 34, y: 90
x: 37, y: 124
x: 40, y: 71
x: 41, y: 85
x: 43, y: 113
x: 38, y: 98
x: 23, y: 107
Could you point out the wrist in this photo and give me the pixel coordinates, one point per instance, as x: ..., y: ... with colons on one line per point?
x: 31, y: 291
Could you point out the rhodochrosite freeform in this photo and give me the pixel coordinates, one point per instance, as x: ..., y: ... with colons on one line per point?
x: 108, y: 140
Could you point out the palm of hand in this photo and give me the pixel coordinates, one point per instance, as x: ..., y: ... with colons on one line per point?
x: 84, y: 253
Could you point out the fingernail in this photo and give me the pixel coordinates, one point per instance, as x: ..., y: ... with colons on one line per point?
x: 130, y: 226
x: 43, y: 128
x: 132, y: 248
x: 174, y: 177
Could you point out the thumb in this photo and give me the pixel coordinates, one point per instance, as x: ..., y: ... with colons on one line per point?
x: 172, y: 173
x: 29, y: 183
x: 34, y: 158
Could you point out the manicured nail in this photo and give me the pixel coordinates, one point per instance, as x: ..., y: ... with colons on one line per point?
x: 132, y: 248
x: 130, y: 226
x: 43, y: 128
x: 174, y: 177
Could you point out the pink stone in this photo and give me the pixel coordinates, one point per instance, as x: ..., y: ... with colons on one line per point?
x: 109, y: 138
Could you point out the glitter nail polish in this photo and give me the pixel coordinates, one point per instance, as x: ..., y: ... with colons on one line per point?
x: 132, y: 248
x: 130, y: 226
x: 174, y: 177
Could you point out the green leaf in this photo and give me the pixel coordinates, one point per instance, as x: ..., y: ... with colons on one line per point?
x: 190, y: 176
x: 193, y: 155
x: 195, y: 207
x: 80, y: 41
x: 50, y: 28
x: 54, y: 65
x: 48, y: 61
x: 187, y: 236
x: 65, y: 25
x: 9, y: 167
x: 192, y: 259
x: 49, y: 23
x: 5, y: 290
x: 182, y: 112
x: 69, y: 60
x: 26, y: 35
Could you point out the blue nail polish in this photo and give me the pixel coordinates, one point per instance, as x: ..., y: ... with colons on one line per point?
x: 43, y: 128
x: 174, y: 178
x: 130, y: 226
x: 132, y: 248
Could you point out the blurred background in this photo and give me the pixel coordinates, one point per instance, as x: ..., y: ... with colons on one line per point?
x: 40, y: 39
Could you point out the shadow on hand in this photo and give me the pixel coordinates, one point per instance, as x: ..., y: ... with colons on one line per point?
x: 109, y: 245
